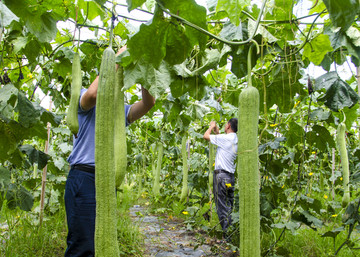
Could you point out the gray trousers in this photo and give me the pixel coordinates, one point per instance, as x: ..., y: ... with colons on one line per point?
x: 224, y: 187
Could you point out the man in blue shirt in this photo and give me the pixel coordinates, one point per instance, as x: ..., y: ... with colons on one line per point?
x: 80, y: 185
x: 224, y: 178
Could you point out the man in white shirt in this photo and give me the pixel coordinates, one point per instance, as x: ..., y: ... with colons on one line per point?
x: 224, y: 178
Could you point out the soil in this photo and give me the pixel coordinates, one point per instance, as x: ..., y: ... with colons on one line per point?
x: 166, y: 236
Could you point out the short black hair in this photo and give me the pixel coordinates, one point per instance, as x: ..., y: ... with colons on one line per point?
x: 234, y: 124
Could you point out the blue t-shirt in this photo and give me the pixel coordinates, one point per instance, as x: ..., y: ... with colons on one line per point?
x: 84, y: 145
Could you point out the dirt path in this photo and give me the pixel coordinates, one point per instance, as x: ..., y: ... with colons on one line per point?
x: 167, y: 237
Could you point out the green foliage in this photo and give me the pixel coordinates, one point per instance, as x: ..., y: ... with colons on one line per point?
x: 196, y: 77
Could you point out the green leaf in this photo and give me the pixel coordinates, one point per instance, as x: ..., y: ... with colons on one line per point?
x: 317, y: 49
x: 43, y: 27
x: 340, y: 38
x: 28, y: 115
x: 8, y: 141
x: 177, y: 44
x: 321, y: 138
x: 196, y: 111
x: 233, y: 8
x: 308, y: 219
x: 342, y: 13
x: 268, y: 37
x: 5, y: 177
x: 195, y: 86
x: 155, y: 80
x: 194, y: 13
x: 338, y: 93
x: 281, y: 86
x: 294, y: 135
x: 35, y: 156
x: 8, y: 96
x: 231, y: 32
x: 6, y: 16
x: 133, y: 4
x: 91, y: 9
x: 19, y: 44
x: 19, y: 197
x: 308, y: 203
x: 319, y: 114
x: 333, y: 233
x: 150, y: 42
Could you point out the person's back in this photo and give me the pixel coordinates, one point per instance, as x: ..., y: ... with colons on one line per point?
x: 225, y: 167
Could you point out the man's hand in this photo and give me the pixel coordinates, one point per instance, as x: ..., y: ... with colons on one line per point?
x: 215, y: 128
x: 212, y: 127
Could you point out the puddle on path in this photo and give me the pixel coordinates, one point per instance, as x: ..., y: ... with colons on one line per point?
x: 165, y: 237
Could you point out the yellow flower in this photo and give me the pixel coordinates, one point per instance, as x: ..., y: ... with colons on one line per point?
x: 273, y: 125
x: 341, y: 178
x: 334, y: 215
x: 228, y: 185
x: 283, y: 186
x: 185, y: 213
x: 214, y: 164
x: 296, y: 104
x: 313, y: 152
x: 310, y: 174
x: 325, y: 196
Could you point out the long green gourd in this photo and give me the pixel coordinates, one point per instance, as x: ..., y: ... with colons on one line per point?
x: 184, y: 190
x: 72, y: 115
x: 248, y: 170
x: 120, y: 150
x: 341, y: 143
x: 106, y: 244
x: 156, y: 189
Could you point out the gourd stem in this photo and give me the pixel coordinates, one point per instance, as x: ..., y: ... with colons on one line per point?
x: 249, y: 65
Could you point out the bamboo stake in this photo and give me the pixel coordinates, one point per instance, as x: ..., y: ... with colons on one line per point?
x: 43, y: 181
x: 333, y: 174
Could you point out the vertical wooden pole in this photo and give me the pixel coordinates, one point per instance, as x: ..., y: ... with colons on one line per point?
x: 43, y: 181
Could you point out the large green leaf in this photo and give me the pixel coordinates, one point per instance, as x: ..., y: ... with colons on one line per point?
x: 233, y: 8
x: 38, y: 20
x: 28, y: 115
x: 231, y: 32
x: 342, y: 13
x: 6, y: 16
x: 338, y: 94
x: 177, y: 45
x: 150, y: 42
x: 196, y: 111
x: 294, y: 134
x: 194, y: 13
x: 320, y: 137
x: 5, y: 177
x: 35, y: 156
x: 195, y: 86
x: 155, y: 80
x: 8, y: 141
x: 348, y: 39
x: 133, y: 4
x: 19, y: 196
x: 316, y: 50
x: 281, y: 86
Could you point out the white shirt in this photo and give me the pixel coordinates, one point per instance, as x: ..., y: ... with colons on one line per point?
x: 226, y: 152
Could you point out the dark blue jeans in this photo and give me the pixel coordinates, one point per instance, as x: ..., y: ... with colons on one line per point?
x: 224, y: 187
x: 80, y: 208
